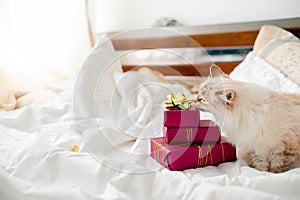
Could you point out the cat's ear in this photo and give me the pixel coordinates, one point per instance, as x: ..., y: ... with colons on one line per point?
x: 227, y: 96
x: 215, y: 71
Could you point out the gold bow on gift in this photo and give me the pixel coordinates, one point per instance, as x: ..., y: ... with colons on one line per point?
x: 178, y: 102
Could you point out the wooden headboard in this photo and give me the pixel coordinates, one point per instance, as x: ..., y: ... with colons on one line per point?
x: 238, y: 36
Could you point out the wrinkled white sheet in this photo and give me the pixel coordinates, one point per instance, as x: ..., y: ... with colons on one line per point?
x: 110, y: 115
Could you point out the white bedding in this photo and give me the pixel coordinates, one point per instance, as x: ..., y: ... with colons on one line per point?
x: 104, y: 111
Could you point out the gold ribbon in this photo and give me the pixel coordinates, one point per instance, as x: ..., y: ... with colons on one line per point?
x: 208, y: 154
x: 157, y: 151
x: 178, y: 102
x: 199, y: 156
x: 209, y: 149
x: 223, y: 153
x: 189, y: 134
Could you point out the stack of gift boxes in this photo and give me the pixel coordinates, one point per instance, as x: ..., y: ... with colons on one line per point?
x: 188, y: 141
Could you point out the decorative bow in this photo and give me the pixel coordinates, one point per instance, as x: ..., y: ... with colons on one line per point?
x: 178, y: 102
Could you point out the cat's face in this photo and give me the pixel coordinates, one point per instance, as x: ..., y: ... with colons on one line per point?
x: 215, y: 95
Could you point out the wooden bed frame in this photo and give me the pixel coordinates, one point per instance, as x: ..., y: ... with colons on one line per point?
x: 222, y: 36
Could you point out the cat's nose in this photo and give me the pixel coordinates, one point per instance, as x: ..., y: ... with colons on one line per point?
x: 199, y: 98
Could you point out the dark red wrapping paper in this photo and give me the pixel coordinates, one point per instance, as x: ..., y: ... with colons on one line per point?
x: 176, y: 118
x: 207, y: 131
x: 181, y: 157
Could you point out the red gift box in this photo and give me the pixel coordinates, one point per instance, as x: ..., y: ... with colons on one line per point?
x: 181, y: 157
x: 181, y: 118
x: 207, y: 132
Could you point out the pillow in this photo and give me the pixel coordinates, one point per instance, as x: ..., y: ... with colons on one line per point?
x: 281, y: 49
x: 256, y: 70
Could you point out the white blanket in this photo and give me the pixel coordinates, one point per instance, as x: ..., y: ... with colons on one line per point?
x: 111, y: 115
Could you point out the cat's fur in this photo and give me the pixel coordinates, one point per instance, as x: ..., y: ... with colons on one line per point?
x: 263, y: 124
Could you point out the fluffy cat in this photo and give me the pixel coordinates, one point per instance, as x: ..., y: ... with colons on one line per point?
x: 263, y: 124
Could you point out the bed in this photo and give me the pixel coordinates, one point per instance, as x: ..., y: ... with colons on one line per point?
x: 91, y: 139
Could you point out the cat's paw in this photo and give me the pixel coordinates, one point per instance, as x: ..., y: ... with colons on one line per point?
x: 282, y: 158
x: 259, y: 163
x: 262, y: 165
x: 281, y: 163
x: 278, y: 169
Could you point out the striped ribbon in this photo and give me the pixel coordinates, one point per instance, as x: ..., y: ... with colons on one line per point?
x: 208, y: 155
x: 157, y: 151
x: 223, y: 153
x: 189, y: 134
x: 199, y: 156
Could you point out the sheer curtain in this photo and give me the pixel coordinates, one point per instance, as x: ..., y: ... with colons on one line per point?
x: 41, y: 42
